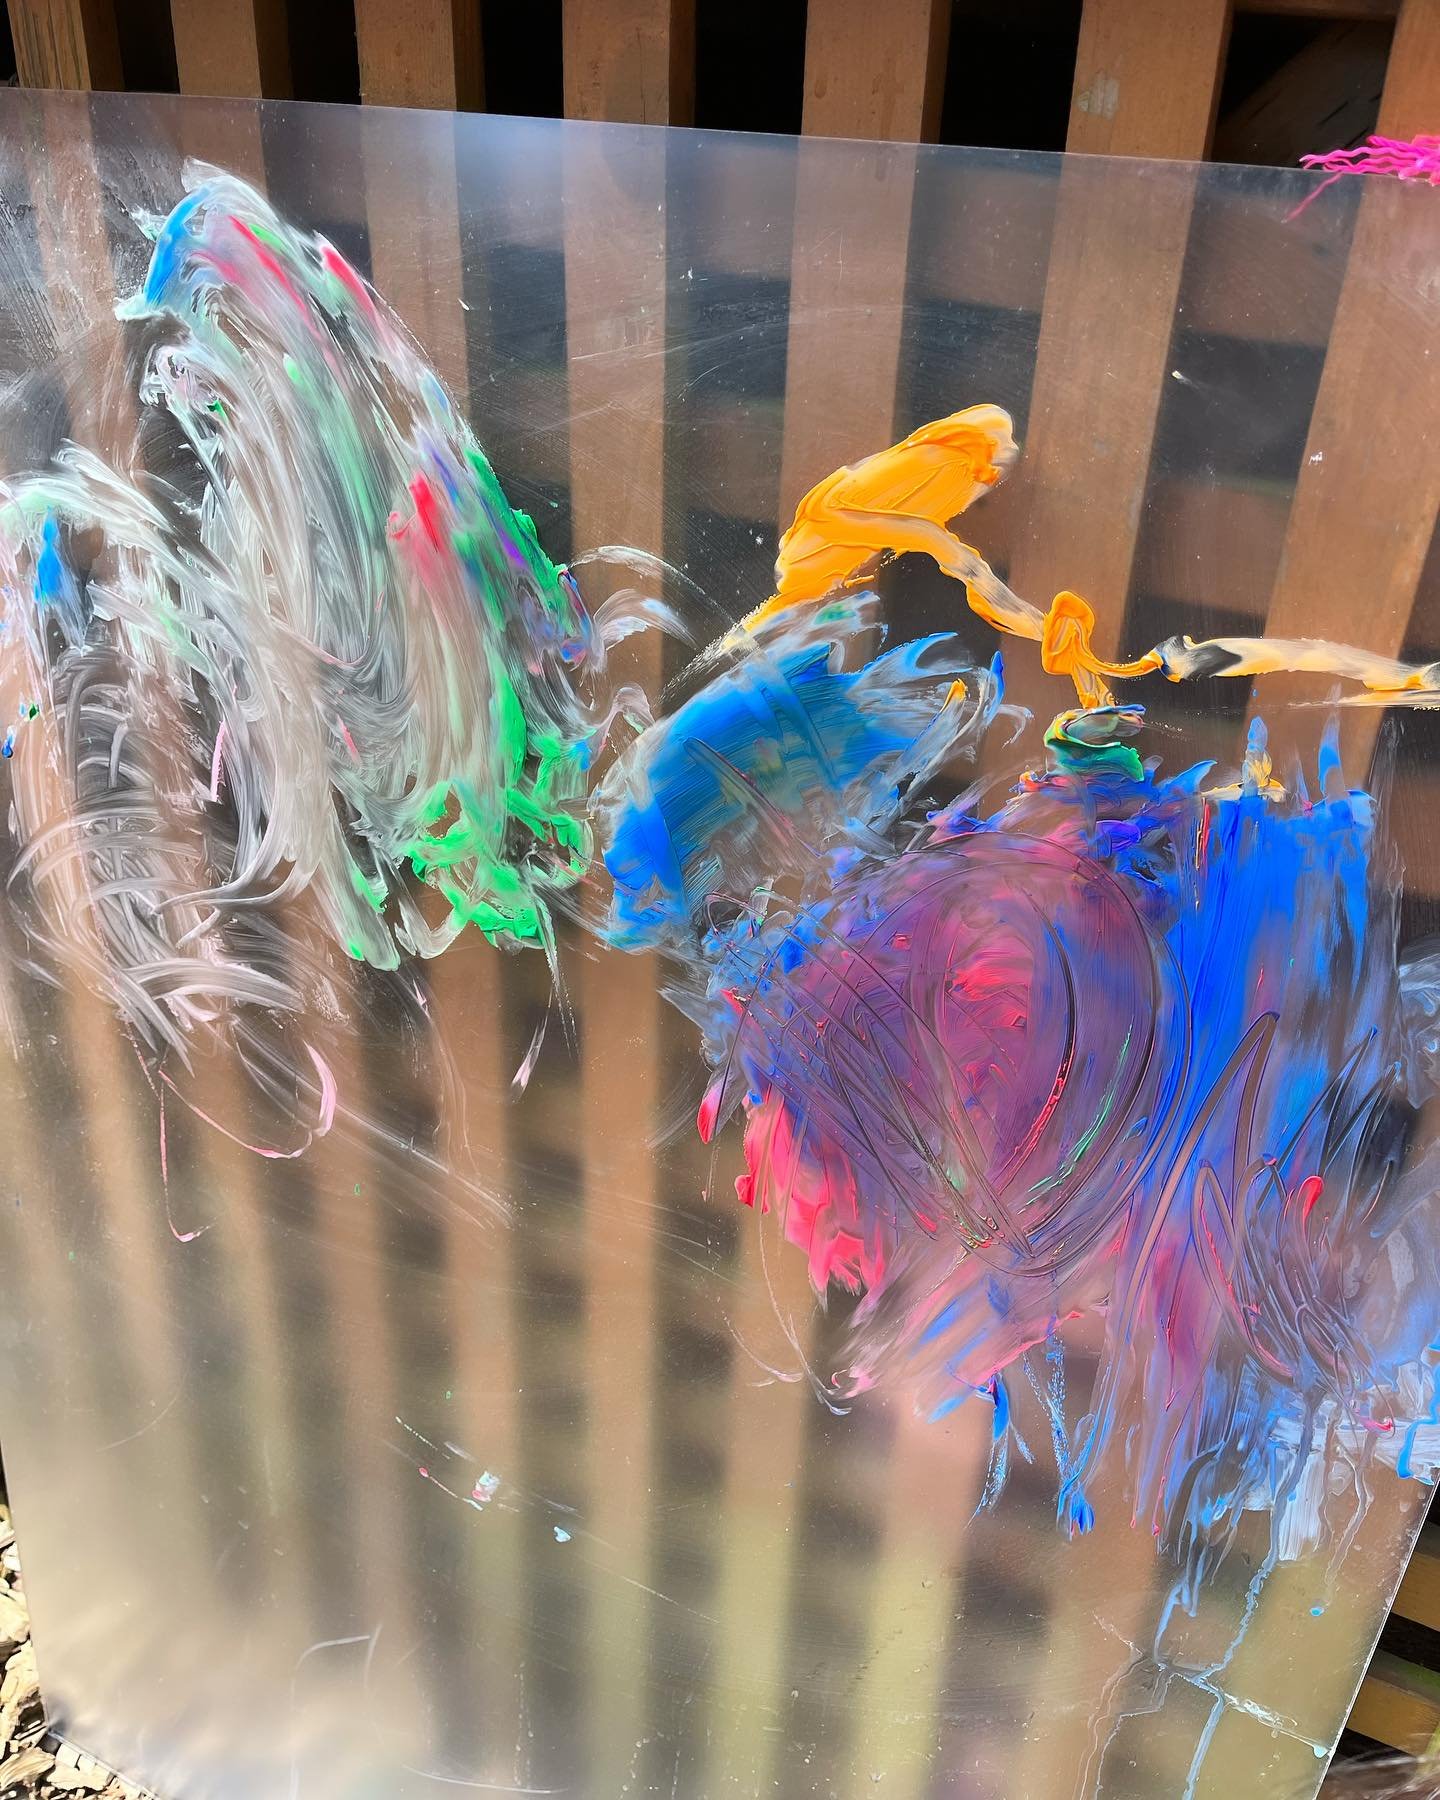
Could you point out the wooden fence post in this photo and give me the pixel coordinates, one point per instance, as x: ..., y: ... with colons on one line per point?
x: 625, y: 61
x: 1146, y: 84
x: 66, y: 43
x: 232, y: 48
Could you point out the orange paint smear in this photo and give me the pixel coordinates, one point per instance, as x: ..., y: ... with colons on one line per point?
x: 904, y: 499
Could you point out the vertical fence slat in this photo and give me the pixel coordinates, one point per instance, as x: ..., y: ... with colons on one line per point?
x: 232, y: 48
x: 1355, y: 529
x: 420, y: 53
x: 934, y: 1480
x: 1358, y: 533
x: 427, y: 54
x: 630, y: 61
x: 410, y: 55
x: 875, y: 75
x: 236, y: 50
x: 67, y: 188
x: 1366, y: 501
x: 860, y: 295
x: 869, y: 74
x: 1146, y: 85
x: 1410, y: 101
x: 66, y: 43
x: 1147, y: 78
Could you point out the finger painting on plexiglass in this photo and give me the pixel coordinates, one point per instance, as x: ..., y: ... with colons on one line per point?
x: 701, y: 1145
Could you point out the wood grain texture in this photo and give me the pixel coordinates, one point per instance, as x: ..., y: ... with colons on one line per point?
x: 1147, y: 78
x: 232, y: 48
x: 420, y: 53
x: 1411, y: 100
x: 66, y: 43
x: 1321, y: 9
x: 630, y: 61
x: 875, y: 72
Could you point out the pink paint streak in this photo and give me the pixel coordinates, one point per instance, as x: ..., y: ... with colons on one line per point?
x: 216, y: 762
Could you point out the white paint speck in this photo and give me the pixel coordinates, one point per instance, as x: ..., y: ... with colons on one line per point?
x: 1102, y: 97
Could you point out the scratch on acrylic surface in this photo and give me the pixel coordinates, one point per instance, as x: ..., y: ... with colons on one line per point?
x: 487, y: 1787
x: 149, y: 1424
x: 1107, y: 1717
x: 369, y: 1639
x: 436, y: 1458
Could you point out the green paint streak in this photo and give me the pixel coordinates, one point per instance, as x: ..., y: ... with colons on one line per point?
x: 1076, y: 754
x: 499, y: 823
x: 1087, y: 1138
x: 373, y: 892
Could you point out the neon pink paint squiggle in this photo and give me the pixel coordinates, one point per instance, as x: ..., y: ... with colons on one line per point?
x: 1404, y: 159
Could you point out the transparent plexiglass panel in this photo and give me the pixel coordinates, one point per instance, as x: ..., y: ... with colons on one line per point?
x: 444, y: 858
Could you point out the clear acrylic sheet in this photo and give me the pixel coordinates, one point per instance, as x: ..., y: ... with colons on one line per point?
x: 490, y: 1446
